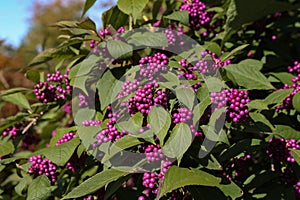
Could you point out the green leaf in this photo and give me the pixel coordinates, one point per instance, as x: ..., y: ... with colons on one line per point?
x: 132, y: 7
x: 121, y: 144
x: 96, y: 182
x: 258, y: 117
x: 88, y: 4
x: 231, y: 190
x: 199, y: 109
x: 17, y: 99
x: 277, y: 96
x: 84, y: 114
x: 88, y: 24
x: 156, y: 8
x: 186, y: 96
x: 6, y: 148
x: 33, y: 75
x: 61, y: 154
x: 177, y: 177
x: 114, y: 17
x: 42, y: 57
x: 243, y: 12
x: 234, y: 52
x: 212, y: 130
x: 22, y: 185
x: 287, y: 132
x: 129, y: 126
x: 296, y: 101
x: 160, y: 121
x: 181, y: 16
x: 248, y: 77
x: 213, y: 47
x: 39, y: 189
x: 214, y: 84
x: 13, y: 90
x: 284, y: 77
x: 258, y: 104
x: 119, y: 49
x: 179, y: 141
x: 296, y: 155
x: 148, y: 39
x: 104, y: 86
x: 84, y: 67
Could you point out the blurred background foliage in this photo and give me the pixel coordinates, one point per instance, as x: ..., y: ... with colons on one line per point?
x: 40, y: 36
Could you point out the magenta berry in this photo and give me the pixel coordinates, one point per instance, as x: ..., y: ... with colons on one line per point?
x: 57, y: 87
x: 197, y: 14
x: 65, y: 138
x: 153, y: 152
x: 183, y: 115
x: 128, y: 87
x: 43, y: 166
x: 82, y: 101
x: 145, y: 97
x: 91, y: 123
x: 235, y: 99
x: 151, y: 65
x: 13, y: 132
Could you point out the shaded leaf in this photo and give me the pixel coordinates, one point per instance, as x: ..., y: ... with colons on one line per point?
x: 248, y: 77
x: 132, y: 7
x: 148, y: 39
x: 179, y: 141
x: 61, y: 154
x: 177, y: 177
x: 89, y: 186
x: 39, y: 189
x: 119, y: 49
x: 181, y: 16
x: 296, y: 101
x: 160, y: 121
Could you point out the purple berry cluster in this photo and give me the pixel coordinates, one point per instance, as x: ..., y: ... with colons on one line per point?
x: 65, y: 138
x: 197, y: 14
x: 12, y: 131
x: 91, y: 122
x: 287, y: 103
x: 109, y: 134
x: 104, y: 33
x: 237, y: 168
x: 92, y: 44
x: 174, y: 35
x: 280, y: 149
x: 82, y: 101
x: 145, y: 97
x: 235, y: 99
x: 121, y: 29
x: 153, y: 152
x: 149, y: 65
x: 188, y: 70
x: 43, y: 166
x: 182, y: 115
x: 57, y: 87
x: 295, y: 68
x: 128, y: 87
x: 151, y: 180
